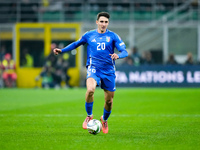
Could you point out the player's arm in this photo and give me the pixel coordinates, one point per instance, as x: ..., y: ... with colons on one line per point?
x: 123, y: 54
x: 71, y: 46
x: 121, y: 47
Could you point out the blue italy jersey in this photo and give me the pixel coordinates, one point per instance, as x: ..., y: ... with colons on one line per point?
x: 100, y: 45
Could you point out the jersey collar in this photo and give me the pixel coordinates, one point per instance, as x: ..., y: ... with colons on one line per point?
x: 102, y: 33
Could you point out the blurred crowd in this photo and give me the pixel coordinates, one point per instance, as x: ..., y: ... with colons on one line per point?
x: 136, y: 59
x: 8, y: 74
x: 54, y: 71
x: 53, y: 74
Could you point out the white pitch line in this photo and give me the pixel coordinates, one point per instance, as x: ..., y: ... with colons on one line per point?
x: 120, y: 115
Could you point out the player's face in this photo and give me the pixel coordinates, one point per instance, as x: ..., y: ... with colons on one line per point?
x: 102, y: 24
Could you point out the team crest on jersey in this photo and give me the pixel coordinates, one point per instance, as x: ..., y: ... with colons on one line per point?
x: 107, y: 39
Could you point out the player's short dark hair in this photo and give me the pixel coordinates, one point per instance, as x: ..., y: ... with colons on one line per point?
x: 104, y: 14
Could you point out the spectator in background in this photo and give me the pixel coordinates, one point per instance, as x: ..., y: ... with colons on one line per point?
x: 26, y: 59
x: 60, y: 74
x: 128, y: 61
x: 51, y: 57
x: 9, y: 74
x: 189, y: 60
x: 48, y: 70
x: 54, y: 72
x: 142, y: 59
x: 53, y: 76
x: 47, y: 76
x: 171, y: 60
x: 147, y: 58
x: 135, y: 56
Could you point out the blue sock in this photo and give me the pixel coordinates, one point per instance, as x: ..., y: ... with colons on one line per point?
x: 106, y: 114
x: 88, y: 108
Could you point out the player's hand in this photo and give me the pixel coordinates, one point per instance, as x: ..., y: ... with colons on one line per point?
x: 114, y: 56
x: 57, y: 51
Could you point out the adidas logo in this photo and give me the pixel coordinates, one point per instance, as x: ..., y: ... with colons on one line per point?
x: 93, y: 40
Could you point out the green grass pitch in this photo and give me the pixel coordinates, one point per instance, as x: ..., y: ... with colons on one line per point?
x: 142, y: 118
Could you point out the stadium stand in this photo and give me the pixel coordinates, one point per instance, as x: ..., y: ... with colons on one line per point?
x: 79, y: 10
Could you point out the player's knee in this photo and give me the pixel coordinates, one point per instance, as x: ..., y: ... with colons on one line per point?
x: 90, y: 91
x: 109, y: 101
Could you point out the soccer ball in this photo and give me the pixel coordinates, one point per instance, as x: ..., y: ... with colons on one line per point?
x: 94, y: 126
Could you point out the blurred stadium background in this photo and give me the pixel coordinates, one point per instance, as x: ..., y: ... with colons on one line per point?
x: 157, y: 29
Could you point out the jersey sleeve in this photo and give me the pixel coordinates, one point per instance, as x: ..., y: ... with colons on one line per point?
x: 75, y: 44
x: 121, y: 47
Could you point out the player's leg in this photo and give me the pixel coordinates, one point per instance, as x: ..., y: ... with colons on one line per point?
x: 109, y: 95
x: 91, y: 86
x: 89, y: 99
x: 108, y: 84
x: 89, y: 96
x: 108, y: 103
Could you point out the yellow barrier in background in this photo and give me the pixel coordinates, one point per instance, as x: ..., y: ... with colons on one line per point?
x: 26, y: 76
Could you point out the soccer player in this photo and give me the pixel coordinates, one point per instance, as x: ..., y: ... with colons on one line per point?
x: 100, y: 65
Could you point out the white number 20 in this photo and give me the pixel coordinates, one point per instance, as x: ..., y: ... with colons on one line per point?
x: 101, y: 46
